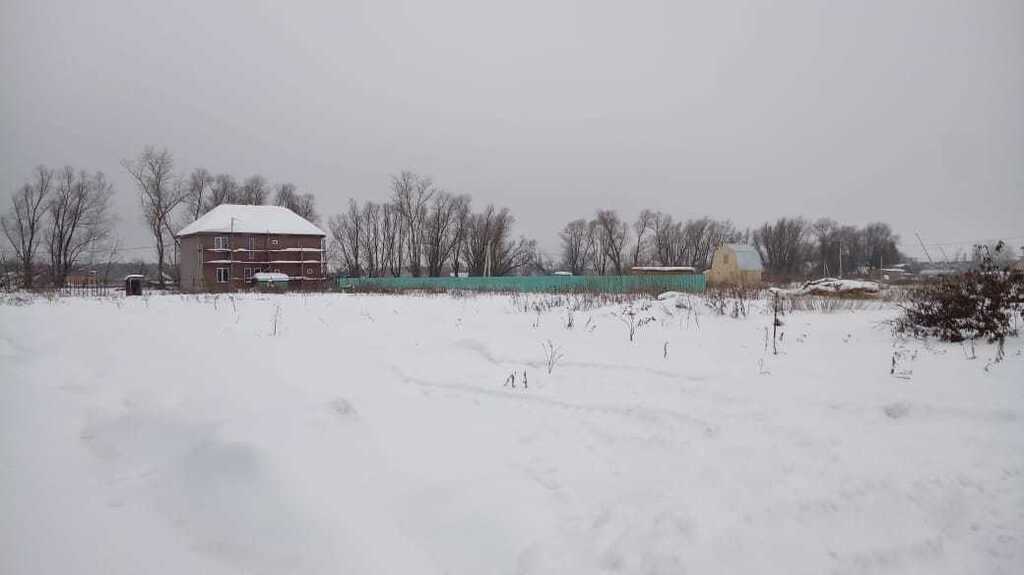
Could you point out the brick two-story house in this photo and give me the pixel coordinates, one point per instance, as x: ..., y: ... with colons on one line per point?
x: 224, y: 248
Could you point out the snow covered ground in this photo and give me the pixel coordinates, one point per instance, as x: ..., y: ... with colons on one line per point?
x: 375, y: 434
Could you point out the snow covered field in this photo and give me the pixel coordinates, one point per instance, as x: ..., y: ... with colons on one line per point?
x: 374, y: 434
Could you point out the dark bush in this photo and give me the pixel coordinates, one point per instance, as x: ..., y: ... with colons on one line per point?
x: 984, y: 303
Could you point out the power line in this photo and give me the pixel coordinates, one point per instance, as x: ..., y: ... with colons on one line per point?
x: 967, y: 242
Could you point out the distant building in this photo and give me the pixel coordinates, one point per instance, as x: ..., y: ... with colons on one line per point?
x: 736, y: 264
x: 230, y: 244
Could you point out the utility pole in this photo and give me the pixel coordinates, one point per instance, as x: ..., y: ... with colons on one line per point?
x: 840, y: 259
x: 928, y: 255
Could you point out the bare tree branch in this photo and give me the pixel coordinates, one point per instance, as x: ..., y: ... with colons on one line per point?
x: 23, y: 224
x: 160, y: 193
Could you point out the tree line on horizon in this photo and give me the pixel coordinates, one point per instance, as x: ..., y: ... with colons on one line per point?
x: 419, y: 229
x: 422, y: 230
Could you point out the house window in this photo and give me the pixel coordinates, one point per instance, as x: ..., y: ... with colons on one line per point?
x: 247, y: 273
x: 273, y: 242
x: 309, y: 271
x: 220, y: 243
x: 223, y: 274
x: 252, y: 248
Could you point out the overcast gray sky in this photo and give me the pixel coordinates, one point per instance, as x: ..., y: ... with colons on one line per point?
x: 908, y: 111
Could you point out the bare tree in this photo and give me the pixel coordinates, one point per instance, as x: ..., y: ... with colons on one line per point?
x: 6, y: 265
x: 200, y: 182
x: 880, y: 245
x: 304, y: 205
x: 838, y: 247
x: 490, y: 249
x: 285, y: 195
x: 440, y: 230
x: 539, y: 263
x: 78, y: 219
x: 576, y: 247
x: 254, y: 191
x: 223, y: 190
x: 462, y: 219
x: 643, y: 224
x: 825, y: 232
x: 347, y: 231
x: 392, y: 239
x: 411, y: 194
x: 613, y: 233
x: 667, y: 239
x: 700, y: 238
x: 514, y: 256
x: 160, y: 194
x: 23, y: 225
x: 479, y: 235
x: 782, y: 245
x: 371, y: 222
x: 596, y: 248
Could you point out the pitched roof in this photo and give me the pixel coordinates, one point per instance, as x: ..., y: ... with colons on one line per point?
x: 747, y: 257
x: 251, y: 220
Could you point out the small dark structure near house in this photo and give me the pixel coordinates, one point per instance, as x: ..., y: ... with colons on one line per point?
x: 133, y: 284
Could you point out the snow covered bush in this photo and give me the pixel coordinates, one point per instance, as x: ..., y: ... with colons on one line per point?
x: 636, y: 317
x: 986, y: 303
x: 552, y: 355
x: 731, y: 300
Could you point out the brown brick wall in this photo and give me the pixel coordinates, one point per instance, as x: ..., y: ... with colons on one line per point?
x: 202, y: 254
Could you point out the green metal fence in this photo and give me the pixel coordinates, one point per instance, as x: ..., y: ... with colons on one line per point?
x: 546, y: 284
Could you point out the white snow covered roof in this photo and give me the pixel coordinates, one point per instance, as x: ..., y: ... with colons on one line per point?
x: 251, y: 220
x: 747, y: 257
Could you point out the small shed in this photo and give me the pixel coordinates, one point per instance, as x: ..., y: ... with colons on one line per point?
x: 272, y: 280
x: 736, y: 264
x: 133, y: 284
